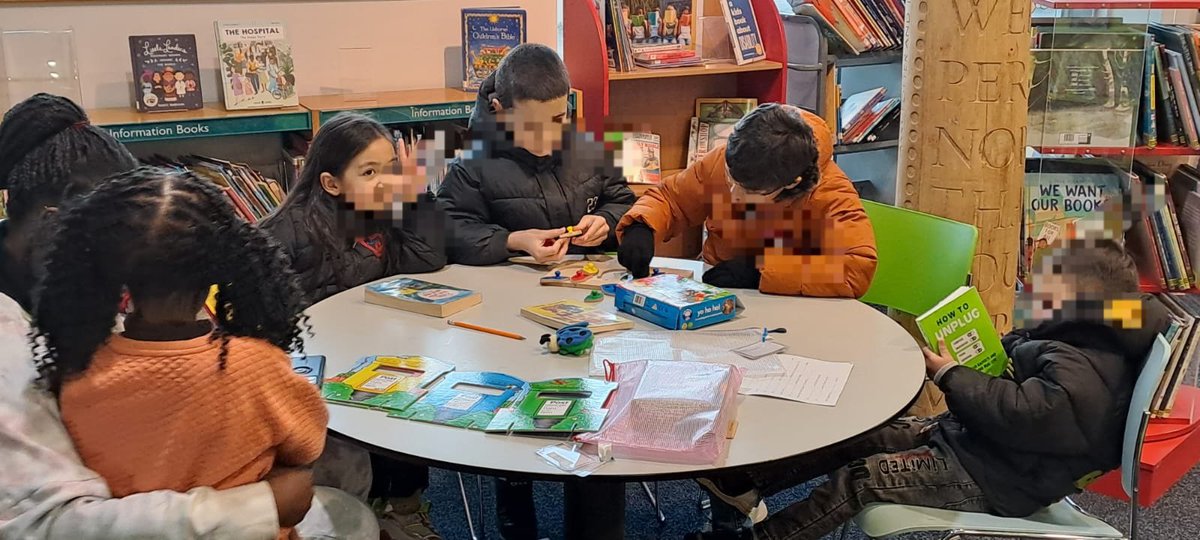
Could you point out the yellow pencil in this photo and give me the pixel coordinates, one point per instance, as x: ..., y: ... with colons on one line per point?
x: 485, y: 329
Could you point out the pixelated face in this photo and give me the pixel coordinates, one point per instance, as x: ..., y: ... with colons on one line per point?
x: 1056, y: 295
x: 367, y: 184
x: 537, y: 126
x: 741, y: 195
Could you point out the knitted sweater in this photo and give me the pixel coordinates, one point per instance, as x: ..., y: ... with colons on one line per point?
x: 162, y: 415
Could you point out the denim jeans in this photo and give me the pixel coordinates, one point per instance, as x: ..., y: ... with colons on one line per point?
x: 896, y: 464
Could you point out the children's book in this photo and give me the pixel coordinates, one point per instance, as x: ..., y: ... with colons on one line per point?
x: 256, y: 65
x: 464, y: 399
x: 311, y: 367
x: 390, y: 383
x: 712, y: 135
x: 724, y: 109
x: 566, y: 312
x: 962, y: 320
x: 675, y: 302
x: 421, y: 297
x: 1066, y: 199
x: 487, y: 36
x: 166, y: 73
x: 640, y: 158
x: 556, y: 406
x: 743, y: 31
x: 659, y: 25
x: 596, y: 274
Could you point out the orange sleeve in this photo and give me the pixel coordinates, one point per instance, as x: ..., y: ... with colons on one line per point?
x: 846, y: 264
x: 294, y: 409
x: 679, y: 202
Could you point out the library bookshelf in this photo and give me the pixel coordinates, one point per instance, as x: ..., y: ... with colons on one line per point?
x: 663, y: 101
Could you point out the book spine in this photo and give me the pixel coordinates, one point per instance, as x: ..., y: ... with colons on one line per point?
x: 1187, y: 70
x: 1149, y: 129
x: 827, y: 9
x: 1185, y: 264
x: 1163, y: 240
x: 1156, y: 259
x: 1189, y: 127
x: 861, y: 29
x: 1170, y: 112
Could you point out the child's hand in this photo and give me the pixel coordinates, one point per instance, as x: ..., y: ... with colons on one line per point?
x: 935, y: 362
x: 293, y: 491
x: 594, y: 229
x: 544, y: 245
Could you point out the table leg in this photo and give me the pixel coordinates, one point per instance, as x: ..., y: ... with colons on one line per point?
x: 594, y: 509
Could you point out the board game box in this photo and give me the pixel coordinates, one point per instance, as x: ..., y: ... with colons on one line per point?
x: 675, y: 302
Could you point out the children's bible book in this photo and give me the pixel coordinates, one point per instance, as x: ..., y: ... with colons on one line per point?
x: 487, y: 36
x: 390, y: 383
x: 962, y: 320
x: 559, y: 405
x: 674, y: 302
x: 566, y: 312
x: 464, y: 399
x: 421, y: 297
x: 256, y: 65
x: 166, y: 73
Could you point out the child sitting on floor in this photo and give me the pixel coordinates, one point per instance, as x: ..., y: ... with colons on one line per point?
x: 174, y: 402
x: 1009, y: 445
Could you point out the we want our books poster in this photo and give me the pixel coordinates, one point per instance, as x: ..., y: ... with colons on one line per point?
x: 1065, y: 206
x: 256, y: 65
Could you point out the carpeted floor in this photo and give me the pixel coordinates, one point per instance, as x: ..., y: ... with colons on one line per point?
x: 1175, y: 517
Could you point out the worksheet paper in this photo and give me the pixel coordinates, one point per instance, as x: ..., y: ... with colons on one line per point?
x: 804, y: 379
x: 712, y: 346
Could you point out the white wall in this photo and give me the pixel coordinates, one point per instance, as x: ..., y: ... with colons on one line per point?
x: 347, y: 46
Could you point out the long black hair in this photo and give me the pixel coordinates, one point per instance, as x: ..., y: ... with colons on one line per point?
x: 329, y: 218
x: 157, y: 233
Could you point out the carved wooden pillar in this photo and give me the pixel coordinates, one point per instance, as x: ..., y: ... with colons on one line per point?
x: 963, y: 120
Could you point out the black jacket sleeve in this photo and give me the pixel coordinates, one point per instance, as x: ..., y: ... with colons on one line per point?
x: 615, y: 201
x: 474, y: 239
x: 422, y: 237
x: 1040, y: 413
x: 291, y: 236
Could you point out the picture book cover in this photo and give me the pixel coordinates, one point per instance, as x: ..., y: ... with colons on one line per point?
x: 567, y: 312
x: 962, y: 320
x: 594, y: 275
x: 256, y: 65
x: 559, y: 405
x: 166, y: 73
x: 674, y: 302
x: 464, y: 399
x: 1061, y: 206
x: 655, y: 25
x: 487, y: 36
x: 640, y: 158
x: 743, y: 31
x: 712, y: 135
x: 421, y: 296
x: 1084, y: 97
x: 724, y: 109
x: 390, y: 383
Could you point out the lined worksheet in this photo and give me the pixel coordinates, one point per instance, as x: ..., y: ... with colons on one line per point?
x: 806, y: 380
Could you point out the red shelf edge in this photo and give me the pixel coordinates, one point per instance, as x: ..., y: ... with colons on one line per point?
x: 1119, y: 4
x: 1159, y: 150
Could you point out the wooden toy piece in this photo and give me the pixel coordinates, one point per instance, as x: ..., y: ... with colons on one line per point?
x: 590, y: 269
x: 580, y: 276
x: 594, y: 296
x: 572, y: 340
x: 571, y: 233
x: 575, y: 274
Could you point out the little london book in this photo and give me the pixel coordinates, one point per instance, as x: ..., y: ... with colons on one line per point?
x: 256, y: 65
x: 422, y: 297
x: 963, y: 322
x: 166, y: 73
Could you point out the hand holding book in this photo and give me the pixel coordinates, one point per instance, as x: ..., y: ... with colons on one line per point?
x: 935, y: 362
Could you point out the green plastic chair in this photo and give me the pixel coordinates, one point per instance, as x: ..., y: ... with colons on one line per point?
x: 922, y: 258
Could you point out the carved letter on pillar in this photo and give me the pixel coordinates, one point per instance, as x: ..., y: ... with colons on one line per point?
x: 962, y: 144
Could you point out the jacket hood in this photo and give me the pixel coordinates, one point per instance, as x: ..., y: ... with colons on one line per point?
x: 1133, y: 343
x: 823, y: 136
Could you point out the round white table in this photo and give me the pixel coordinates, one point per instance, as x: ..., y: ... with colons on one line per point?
x: 888, y: 374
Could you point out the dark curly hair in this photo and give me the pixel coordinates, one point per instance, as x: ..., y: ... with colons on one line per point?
x: 159, y: 234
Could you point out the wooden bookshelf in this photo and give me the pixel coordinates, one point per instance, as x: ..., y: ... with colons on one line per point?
x: 128, y: 126
x: 717, y: 68
x: 424, y: 105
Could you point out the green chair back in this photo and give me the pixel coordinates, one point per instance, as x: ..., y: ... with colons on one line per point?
x: 922, y: 258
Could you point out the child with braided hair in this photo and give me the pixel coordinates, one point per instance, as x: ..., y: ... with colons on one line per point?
x: 174, y: 402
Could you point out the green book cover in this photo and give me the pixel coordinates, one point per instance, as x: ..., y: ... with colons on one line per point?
x: 559, y: 405
x: 962, y: 320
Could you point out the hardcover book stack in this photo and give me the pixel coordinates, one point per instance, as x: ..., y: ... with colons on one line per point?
x: 1184, y: 336
x: 858, y: 26
x: 863, y: 116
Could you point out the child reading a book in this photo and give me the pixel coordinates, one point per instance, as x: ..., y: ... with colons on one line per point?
x: 781, y: 216
x: 1009, y: 445
x: 173, y: 402
x: 350, y: 221
x: 521, y: 184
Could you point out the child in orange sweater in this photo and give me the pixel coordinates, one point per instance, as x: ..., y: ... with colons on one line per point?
x: 174, y: 402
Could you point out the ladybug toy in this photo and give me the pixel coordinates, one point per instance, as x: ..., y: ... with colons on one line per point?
x: 573, y: 339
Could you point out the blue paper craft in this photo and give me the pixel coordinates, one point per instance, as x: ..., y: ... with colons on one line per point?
x: 465, y: 399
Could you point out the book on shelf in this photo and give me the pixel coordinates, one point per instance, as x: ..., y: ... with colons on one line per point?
x: 743, y: 31
x: 640, y: 157
x: 166, y: 73
x: 861, y: 113
x: 1066, y: 199
x: 858, y: 26
x: 723, y: 109
x: 653, y: 34
x: 422, y: 297
x: 256, y: 66
x: 1162, y: 243
x: 962, y: 321
x: 708, y: 136
x: 252, y: 195
x: 1184, y: 336
x: 487, y: 36
x: 567, y: 312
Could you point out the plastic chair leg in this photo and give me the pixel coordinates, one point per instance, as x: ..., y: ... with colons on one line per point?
x: 462, y: 488
x: 653, y: 496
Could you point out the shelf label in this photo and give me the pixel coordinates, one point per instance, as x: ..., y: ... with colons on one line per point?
x: 216, y: 127
x: 414, y: 113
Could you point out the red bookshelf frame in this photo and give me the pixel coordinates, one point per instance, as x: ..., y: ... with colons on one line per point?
x: 1119, y: 4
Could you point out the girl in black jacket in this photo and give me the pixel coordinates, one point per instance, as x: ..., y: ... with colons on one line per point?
x: 350, y: 221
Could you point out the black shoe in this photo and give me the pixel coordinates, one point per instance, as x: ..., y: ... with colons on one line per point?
x: 515, y: 513
x: 742, y: 534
